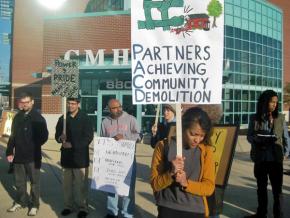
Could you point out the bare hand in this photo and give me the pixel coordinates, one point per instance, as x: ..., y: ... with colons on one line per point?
x: 62, y: 137
x: 177, y: 164
x: 180, y: 177
x: 10, y: 158
x: 66, y: 145
x: 118, y: 137
x: 154, y: 130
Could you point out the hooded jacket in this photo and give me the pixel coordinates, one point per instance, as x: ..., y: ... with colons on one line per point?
x: 126, y: 125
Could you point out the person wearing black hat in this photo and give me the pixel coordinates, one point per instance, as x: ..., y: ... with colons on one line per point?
x: 75, y: 157
x: 160, y: 131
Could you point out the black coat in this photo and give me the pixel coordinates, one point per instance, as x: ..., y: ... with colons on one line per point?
x: 28, y: 133
x: 80, y: 133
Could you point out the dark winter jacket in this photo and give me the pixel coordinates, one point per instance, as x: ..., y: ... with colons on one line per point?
x: 270, y: 149
x: 79, y: 133
x: 28, y: 133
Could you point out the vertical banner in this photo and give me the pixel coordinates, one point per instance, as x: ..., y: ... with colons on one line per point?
x: 177, y: 51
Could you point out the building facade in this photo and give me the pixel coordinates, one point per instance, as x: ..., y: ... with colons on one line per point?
x: 91, y: 30
x: 253, y: 56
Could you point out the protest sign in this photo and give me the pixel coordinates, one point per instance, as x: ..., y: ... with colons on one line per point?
x: 6, y: 122
x: 112, y: 166
x: 65, y: 78
x: 177, y: 51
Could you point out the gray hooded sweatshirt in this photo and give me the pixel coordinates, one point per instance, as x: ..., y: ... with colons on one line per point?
x: 126, y: 125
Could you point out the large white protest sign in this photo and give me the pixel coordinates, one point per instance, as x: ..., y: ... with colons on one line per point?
x: 112, y: 166
x: 65, y: 78
x: 177, y: 51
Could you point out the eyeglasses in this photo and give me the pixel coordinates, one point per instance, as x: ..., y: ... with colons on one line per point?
x: 72, y: 103
x: 25, y: 102
x: 117, y: 107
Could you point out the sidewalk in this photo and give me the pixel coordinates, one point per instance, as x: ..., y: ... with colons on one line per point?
x: 240, y: 195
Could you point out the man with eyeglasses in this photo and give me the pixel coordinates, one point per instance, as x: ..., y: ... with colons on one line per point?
x: 29, y: 132
x: 75, y: 159
x: 120, y: 125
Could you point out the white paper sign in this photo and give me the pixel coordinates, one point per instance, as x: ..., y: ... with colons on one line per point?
x: 177, y: 51
x: 112, y: 165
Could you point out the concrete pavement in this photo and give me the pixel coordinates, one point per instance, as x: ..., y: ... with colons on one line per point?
x: 239, y: 200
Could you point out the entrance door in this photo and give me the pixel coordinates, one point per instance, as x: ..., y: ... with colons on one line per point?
x: 125, y: 98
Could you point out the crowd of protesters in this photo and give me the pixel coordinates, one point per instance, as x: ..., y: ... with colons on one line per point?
x: 181, y: 183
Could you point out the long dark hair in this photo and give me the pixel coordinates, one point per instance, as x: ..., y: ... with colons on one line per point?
x: 263, y: 105
x: 199, y: 116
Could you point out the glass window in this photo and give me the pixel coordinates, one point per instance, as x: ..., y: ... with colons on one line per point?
x: 237, y: 11
x: 229, y: 20
x: 228, y: 94
x: 258, y: 7
x: 245, y: 119
x: 245, y: 78
x: 253, y: 47
x: 252, y: 80
x: 259, y: 38
x: 252, y: 37
x: 228, y: 9
x: 229, y: 42
x: 259, y: 59
x: 252, y: 68
x: 259, y: 70
x: 245, y: 57
x: 86, y: 87
x: 229, y: 54
x: 245, y: 45
x: 264, y: 10
x: 252, y: 16
x: 237, y: 69
x: 252, y: 106
x: 229, y: 31
x: 237, y: 22
x: 259, y: 49
x: 245, y: 35
x: 238, y: 33
x: 258, y: 80
x: 252, y: 96
x: 252, y: 58
x: 245, y: 24
x: 238, y: 44
x: 237, y: 94
x: 237, y: 55
x: 252, y: 26
x: 228, y: 118
x: 89, y: 105
x: 252, y: 5
x: 228, y: 106
x: 245, y: 13
x: 258, y: 18
x: 279, y: 45
x: 237, y: 106
x: 245, y: 4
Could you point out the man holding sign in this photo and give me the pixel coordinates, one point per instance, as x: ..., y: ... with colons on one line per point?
x: 120, y: 125
x: 75, y: 161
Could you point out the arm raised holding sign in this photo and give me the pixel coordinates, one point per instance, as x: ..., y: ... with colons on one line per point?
x: 187, y: 179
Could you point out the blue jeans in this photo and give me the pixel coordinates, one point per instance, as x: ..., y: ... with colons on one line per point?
x: 128, y: 202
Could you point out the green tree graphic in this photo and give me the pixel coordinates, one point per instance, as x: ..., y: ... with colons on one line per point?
x: 214, y: 9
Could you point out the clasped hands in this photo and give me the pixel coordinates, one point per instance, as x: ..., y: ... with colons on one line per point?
x: 178, y: 171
